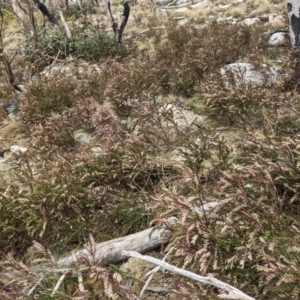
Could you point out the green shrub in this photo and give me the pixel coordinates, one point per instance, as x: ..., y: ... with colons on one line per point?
x: 57, y: 197
x: 182, y: 60
x: 130, y: 85
x: 77, y: 11
x: 58, y: 130
x: 86, y: 43
x: 288, y: 125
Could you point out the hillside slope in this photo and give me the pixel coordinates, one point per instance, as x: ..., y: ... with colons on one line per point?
x: 198, y: 105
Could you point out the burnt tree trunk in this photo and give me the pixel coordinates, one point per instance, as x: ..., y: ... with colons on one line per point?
x: 294, y: 22
x: 118, y: 31
x: 43, y: 8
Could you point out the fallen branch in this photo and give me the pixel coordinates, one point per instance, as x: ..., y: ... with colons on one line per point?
x: 111, y: 251
x: 102, y: 254
x: 233, y: 293
x: 153, y: 271
x: 59, y: 282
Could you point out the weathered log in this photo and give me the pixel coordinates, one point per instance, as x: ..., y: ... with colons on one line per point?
x: 111, y: 251
x: 104, y: 253
x: 144, y: 241
x: 293, y: 7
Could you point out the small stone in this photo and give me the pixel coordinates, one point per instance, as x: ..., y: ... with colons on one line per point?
x: 250, y: 21
x: 82, y: 137
x: 97, y: 151
x: 17, y: 149
x: 277, y: 38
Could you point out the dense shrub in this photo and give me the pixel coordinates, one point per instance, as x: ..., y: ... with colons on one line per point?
x: 46, y: 97
x: 86, y: 43
x: 250, y: 239
x: 181, y: 61
x: 59, y: 198
x: 234, y: 106
x: 77, y: 11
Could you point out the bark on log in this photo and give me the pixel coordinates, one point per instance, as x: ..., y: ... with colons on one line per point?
x: 293, y: 7
x: 111, y: 251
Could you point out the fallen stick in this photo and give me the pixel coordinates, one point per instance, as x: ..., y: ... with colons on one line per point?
x: 233, y: 293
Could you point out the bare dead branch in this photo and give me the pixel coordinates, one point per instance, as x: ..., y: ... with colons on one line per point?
x: 65, y: 24
x: 5, y: 60
x: 125, y: 17
x: 118, y: 31
x: 153, y: 271
x: 233, y: 293
x: 59, y: 282
x: 108, y: 7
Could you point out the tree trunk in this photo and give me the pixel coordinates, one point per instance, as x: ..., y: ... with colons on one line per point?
x: 294, y: 22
